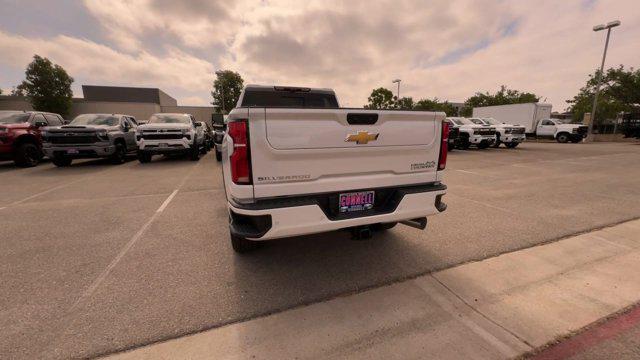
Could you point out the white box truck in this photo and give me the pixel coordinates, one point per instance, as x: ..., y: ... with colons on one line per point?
x: 536, y: 118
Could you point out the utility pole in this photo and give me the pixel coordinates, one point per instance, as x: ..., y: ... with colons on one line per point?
x: 607, y: 27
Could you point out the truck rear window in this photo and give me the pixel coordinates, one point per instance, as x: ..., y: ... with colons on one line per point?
x: 288, y: 99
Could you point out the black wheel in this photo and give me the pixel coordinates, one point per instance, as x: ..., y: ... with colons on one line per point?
x: 218, y: 154
x: 144, y: 157
x: 498, y: 142
x: 562, y: 138
x: 194, y: 153
x: 61, y: 161
x: 483, y: 145
x: 464, y: 143
x: 383, y: 226
x: 27, y: 155
x: 120, y: 154
x: 242, y: 245
x: 511, y: 145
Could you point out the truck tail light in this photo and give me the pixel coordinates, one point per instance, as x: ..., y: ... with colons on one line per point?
x: 444, y: 146
x: 241, y: 157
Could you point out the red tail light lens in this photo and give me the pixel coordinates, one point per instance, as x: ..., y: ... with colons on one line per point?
x: 241, y: 157
x: 444, y: 146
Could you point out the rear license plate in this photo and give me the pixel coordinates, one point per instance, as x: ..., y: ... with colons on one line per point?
x: 356, y: 201
x: 72, y: 151
x: 163, y: 145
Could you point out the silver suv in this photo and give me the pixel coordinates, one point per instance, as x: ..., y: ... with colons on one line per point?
x: 110, y: 136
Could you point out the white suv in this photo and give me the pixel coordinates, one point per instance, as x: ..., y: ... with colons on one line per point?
x: 169, y: 134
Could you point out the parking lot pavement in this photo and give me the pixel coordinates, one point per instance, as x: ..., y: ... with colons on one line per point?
x: 99, y: 258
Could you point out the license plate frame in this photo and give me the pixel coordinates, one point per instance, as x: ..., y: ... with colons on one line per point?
x: 73, y: 151
x: 163, y: 145
x: 356, y: 201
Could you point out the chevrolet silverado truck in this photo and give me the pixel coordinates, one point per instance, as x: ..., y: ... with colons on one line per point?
x: 219, y: 129
x: 21, y: 135
x: 295, y: 163
x: 170, y: 134
x: 470, y: 133
x: 509, y: 135
x: 88, y: 136
x: 561, y: 131
x: 454, y: 132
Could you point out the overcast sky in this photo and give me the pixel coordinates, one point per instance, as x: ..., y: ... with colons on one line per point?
x: 440, y: 48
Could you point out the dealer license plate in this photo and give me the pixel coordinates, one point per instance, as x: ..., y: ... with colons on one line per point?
x: 72, y: 151
x: 356, y: 201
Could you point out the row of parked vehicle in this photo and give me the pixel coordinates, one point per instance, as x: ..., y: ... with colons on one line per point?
x: 28, y: 136
x: 487, y: 131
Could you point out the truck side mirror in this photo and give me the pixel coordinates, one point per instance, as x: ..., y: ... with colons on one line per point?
x: 125, y: 127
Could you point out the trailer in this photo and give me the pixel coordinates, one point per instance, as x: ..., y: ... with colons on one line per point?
x: 527, y: 114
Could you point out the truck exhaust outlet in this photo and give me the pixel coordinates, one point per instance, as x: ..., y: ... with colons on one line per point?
x: 418, y: 223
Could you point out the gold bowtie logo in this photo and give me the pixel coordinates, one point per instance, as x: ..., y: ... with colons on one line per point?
x: 362, y: 137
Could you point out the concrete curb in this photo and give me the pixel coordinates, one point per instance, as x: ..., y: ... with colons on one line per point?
x: 496, y: 308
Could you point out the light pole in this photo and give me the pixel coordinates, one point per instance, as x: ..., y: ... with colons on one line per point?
x: 398, y: 82
x: 608, y: 27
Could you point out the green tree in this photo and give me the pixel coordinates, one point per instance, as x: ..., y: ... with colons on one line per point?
x: 226, y: 90
x: 381, y: 98
x: 404, y: 103
x: 436, y: 105
x: 47, y: 86
x: 504, y: 96
x: 620, y: 91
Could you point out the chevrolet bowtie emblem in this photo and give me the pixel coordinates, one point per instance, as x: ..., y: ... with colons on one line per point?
x: 362, y: 137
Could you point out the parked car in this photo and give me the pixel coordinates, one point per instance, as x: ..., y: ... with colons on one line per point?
x: 536, y: 118
x: 201, y: 129
x: 470, y: 133
x: 295, y: 163
x: 170, y: 134
x: 509, y: 135
x: 21, y: 135
x: 111, y: 136
x: 219, y: 128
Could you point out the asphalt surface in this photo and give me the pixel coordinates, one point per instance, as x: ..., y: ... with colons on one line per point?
x: 99, y: 258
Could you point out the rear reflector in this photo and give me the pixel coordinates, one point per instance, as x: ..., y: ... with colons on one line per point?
x: 444, y: 146
x: 240, y: 159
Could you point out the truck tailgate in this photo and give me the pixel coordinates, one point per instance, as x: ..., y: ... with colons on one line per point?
x: 303, y: 151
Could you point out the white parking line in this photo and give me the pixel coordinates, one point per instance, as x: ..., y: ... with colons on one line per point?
x: 96, y: 283
x: 483, y: 203
x: 44, y: 192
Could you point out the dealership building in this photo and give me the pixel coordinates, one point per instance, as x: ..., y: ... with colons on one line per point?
x: 140, y: 103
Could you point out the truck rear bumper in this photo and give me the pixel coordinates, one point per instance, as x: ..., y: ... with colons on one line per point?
x: 279, y: 218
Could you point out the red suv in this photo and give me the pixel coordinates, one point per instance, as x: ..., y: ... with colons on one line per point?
x: 20, y: 138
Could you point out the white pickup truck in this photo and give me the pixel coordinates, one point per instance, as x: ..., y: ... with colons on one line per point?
x: 295, y: 163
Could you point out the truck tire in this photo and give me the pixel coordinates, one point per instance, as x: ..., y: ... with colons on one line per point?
x: 218, y: 154
x: 144, y: 157
x: 483, y: 145
x: 562, y: 138
x: 194, y: 153
x: 464, y: 143
x: 498, y: 142
x: 61, y: 161
x: 119, y: 155
x: 242, y: 245
x: 511, y: 145
x: 27, y: 155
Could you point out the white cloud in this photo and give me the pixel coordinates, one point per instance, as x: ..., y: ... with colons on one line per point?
x: 99, y: 64
x: 442, y: 48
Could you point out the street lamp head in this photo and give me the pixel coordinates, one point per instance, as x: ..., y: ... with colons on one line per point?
x: 613, y: 24
x: 599, y: 27
x: 396, y: 81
